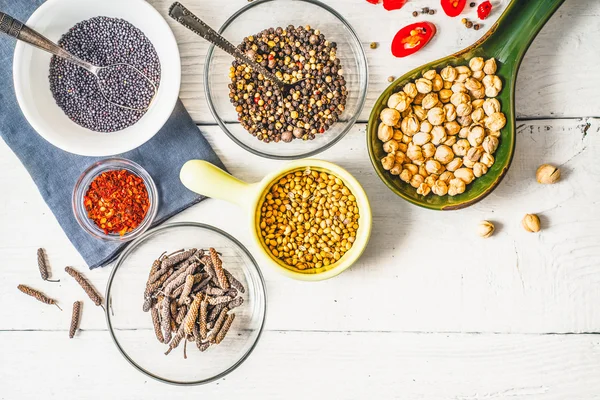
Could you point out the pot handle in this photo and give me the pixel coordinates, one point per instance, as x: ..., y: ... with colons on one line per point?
x: 208, y: 180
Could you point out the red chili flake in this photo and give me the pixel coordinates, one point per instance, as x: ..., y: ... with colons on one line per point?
x: 256, y: 100
x: 484, y: 10
x: 322, y: 130
x: 373, y: 1
x: 299, y: 64
x: 117, y: 201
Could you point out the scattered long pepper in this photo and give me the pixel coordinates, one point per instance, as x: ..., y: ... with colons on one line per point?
x: 42, y: 260
x: 86, y: 286
x: 39, y: 296
x: 75, y: 319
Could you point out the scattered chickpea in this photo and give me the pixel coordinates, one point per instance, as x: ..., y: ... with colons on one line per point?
x: 531, y: 223
x: 485, y: 229
x: 547, y: 174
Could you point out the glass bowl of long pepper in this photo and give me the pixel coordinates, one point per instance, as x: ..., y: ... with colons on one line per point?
x: 115, y: 199
x: 206, y: 351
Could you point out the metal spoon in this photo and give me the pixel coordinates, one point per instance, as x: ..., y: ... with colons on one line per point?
x: 20, y: 31
x: 185, y: 17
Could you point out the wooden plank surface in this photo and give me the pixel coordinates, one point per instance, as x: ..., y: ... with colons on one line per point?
x: 557, y: 73
x: 429, y: 312
x: 301, y: 365
x: 428, y: 271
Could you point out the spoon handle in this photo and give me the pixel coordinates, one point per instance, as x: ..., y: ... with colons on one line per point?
x: 182, y: 15
x: 18, y: 30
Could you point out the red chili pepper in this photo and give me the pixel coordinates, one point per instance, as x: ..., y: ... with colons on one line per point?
x: 393, y: 4
x: 117, y: 201
x: 373, y: 1
x: 484, y: 10
x: 453, y: 8
x: 412, y: 38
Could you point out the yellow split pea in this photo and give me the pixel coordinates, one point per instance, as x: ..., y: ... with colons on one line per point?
x: 309, y: 219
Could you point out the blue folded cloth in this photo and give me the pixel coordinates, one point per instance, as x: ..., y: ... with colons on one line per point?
x: 55, y: 172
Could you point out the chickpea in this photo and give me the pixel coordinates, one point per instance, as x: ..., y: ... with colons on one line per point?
x: 400, y: 157
x: 424, y: 189
x: 465, y: 174
x: 414, y: 152
x: 449, y: 74
x: 433, y: 167
x: 406, y: 175
x: 473, y: 84
x: 411, y: 90
x: 450, y: 111
x: 455, y: 164
x: 452, y: 128
x: 438, y: 135
x: 428, y: 149
x: 420, y: 112
x: 479, y: 75
x: 388, y: 162
x: 474, y: 154
x: 487, y: 159
x: 424, y: 86
x: 446, y: 177
x: 385, y: 132
x: 410, y: 125
x: 476, y: 64
x: 390, y: 146
x: 444, y: 154
x: 459, y: 98
x: 456, y: 187
x: 426, y: 126
x: 436, y: 116
x: 430, y: 101
x: 491, y: 106
x: 464, y: 109
x: 421, y: 138
x: 417, y: 180
x: 429, y: 75
x: 450, y: 141
x: 459, y: 88
x: 490, y: 67
x: 465, y: 121
x: 490, y: 144
x: 461, y: 147
x: 437, y: 83
x: 496, y: 121
x: 479, y: 169
x: 412, y: 168
x: 478, y: 115
x: 396, y: 169
x: 476, y: 135
x: 445, y: 95
x: 440, y: 188
x: 493, y: 85
x: 389, y: 116
x: 399, y: 101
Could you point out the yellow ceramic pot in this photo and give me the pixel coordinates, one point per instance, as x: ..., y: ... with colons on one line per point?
x: 208, y: 180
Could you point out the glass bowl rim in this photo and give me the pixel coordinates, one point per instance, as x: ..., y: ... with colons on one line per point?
x: 96, y: 169
x: 134, y: 245
x: 351, y: 122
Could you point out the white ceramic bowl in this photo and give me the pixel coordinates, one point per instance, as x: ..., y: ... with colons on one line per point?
x: 32, y: 87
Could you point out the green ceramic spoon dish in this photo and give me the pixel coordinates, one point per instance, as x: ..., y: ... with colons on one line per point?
x: 506, y: 41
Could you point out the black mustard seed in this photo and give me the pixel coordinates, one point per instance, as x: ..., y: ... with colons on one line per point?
x: 104, y: 41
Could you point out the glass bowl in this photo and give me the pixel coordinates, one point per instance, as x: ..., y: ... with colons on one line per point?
x: 83, y: 183
x: 132, y: 329
x: 263, y: 14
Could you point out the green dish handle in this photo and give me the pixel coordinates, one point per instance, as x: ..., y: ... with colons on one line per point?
x: 520, y: 23
x: 204, y: 178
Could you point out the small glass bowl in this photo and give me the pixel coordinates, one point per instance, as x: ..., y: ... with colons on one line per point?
x: 133, y: 332
x: 83, y: 184
x: 263, y: 14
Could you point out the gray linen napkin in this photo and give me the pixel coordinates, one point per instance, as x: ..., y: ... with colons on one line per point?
x: 55, y: 171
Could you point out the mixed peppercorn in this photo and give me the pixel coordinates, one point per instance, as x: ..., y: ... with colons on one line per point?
x: 294, y: 54
x: 117, y: 201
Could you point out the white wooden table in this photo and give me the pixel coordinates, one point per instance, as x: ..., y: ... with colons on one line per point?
x: 431, y: 311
